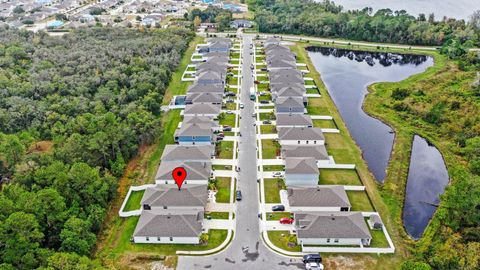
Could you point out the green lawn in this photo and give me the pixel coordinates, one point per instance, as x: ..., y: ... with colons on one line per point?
x: 337, y: 148
x: 282, y: 239
x: 324, y: 123
x: 339, y: 177
x: 230, y: 106
x: 216, y: 215
x: 134, y: 200
x: 359, y: 201
x: 234, y: 62
x: 223, y: 189
x: 225, y: 150
x: 232, y: 80
x: 263, y: 87
x: 278, y: 215
x: 317, y: 106
x: 222, y: 167
x: 268, y: 129
x: 309, y: 82
x: 270, y: 149
x: 272, y: 188
x: 267, y: 116
x: 378, y: 239
x: 227, y: 119
x: 273, y: 167
x: 312, y: 91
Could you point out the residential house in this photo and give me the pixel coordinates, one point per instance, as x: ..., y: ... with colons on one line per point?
x: 175, y: 152
x: 331, y: 228
x: 202, y: 109
x: 211, y: 77
x: 286, y: 76
x: 319, y: 198
x: 293, y: 120
x: 319, y: 152
x: 213, y: 98
x: 166, y: 226
x: 189, y: 197
x: 241, y: 24
x: 301, y: 171
x: 198, y: 173
x: 206, y: 88
x: 301, y: 135
x: 289, y: 105
x: 196, y: 133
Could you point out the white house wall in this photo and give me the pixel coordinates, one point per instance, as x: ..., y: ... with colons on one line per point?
x: 302, y: 142
x: 165, y: 240
x: 323, y: 241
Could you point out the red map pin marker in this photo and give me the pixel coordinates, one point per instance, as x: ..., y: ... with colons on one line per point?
x: 179, y: 174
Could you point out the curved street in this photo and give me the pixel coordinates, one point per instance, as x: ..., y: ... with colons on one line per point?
x: 247, y: 249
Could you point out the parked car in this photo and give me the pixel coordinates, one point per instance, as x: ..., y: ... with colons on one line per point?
x: 238, y: 195
x: 262, y: 93
x: 227, y: 128
x: 229, y: 94
x: 277, y: 174
x: 230, y: 112
x: 312, y: 258
x: 267, y: 122
x: 314, y: 266
x: 254, y: 115
x: 278, y: 208
x: 229, y: 100
x: 264, y: 101
x: 256, y: 82
x: 286, y: 220
x: 242, y: 106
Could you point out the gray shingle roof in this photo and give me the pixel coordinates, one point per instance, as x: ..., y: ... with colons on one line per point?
x: 200, y: 129
x: 289, y: 91
x: 303, y: 165
x: 204, y: 98
x: 276, y: 86
x: 203, y: 108
x: 187, y: 152
x: 286, y: 75
x: 319, y: 152
x: 300, y: 133
x: 204, y: 88
x: 289, y: 102
x: 294, y: 119
x: 195, y: 170
x: 279, y: 63
x: 190, y: 119
x: 171, y: 196
x: 321, y: 196
x: 331, y: 225
x: 168, y: 223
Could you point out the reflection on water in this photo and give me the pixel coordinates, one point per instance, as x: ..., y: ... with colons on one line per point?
x: 346, y: 74
x: 427, y: 178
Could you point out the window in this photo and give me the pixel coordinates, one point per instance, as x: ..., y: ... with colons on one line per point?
x: 147, y: 238
x: 314, y: 142
x: 193, y: 138
x: 171, y: 239
x: 328, y: 240
x: 307, y: 142
x: 298, y: 142
x: 158, y: 239
x: 336, y: 240
x: 165, y: 207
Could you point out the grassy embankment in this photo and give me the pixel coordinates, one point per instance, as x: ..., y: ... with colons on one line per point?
x: 114, y: 248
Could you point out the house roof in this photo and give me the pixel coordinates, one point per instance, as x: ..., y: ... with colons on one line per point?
x: 203, y: 108
x: 281, y: 55
x: 293, y: 119
x: 319, y: 152
x: 286, y: 75
x: 187, y: 152
x: 320, y: 196
x: 195, y: 129
x: 204, y: 88
x: 289, y: 91
x: 280, y: 63
x: 275, y: 86
x: 331, y: 225
x: 211, y: 75
x: 219, y: 39
x: 198, y: 119
x: 216, y: 54
x: 168, y: 223
x: 171, y: 196
x: 302, y: 165
x: 204, y: 97
x: 218, y: 67
x: 300, y: 133
x: 195, y: 170
x: 289, y: 101
x: 271, y: 41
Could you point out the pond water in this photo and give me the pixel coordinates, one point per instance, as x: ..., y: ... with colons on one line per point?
x: 427, y: 178
x: 459, y: 9
x: 347, y: 74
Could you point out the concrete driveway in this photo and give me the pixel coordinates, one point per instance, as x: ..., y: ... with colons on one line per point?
x: 247, y: 250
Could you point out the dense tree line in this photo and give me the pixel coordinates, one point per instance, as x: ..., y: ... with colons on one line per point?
x: 326, y: 19
x: 93, y: 96
x: 211, y: 14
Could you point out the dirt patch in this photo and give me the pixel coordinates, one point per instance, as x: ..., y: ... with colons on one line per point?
x: 351, y: 262
x: 145, y: 261
x: 41, y: 147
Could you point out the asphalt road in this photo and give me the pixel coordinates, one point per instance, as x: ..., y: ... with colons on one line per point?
x: 247, y: 250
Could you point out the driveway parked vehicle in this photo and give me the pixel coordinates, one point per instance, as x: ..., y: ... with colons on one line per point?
x: 267, y: 122
x: 227, y: 128
x: 312, y: 258
x: 242, y: 106
x: 278, y: 208
x: 238, y: 195
x: 277, y: 174
x: 314, y: 266
x: 264, y: 101
x: 230, y: 112
x: 286, y: 220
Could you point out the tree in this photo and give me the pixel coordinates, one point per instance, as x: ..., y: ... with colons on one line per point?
x: 18, y: 10
x: 68, y: 261
x: 20, y: 236
x: 197, y: 21
x: 76, y: 237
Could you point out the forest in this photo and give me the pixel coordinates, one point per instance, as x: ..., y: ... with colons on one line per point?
x: 73, y: 110
x: 326, y: 19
